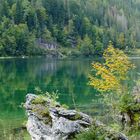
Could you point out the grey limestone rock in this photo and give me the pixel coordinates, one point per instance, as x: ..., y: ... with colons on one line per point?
x: 57, y: 123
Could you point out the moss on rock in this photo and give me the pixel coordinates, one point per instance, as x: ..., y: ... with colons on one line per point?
x: 77, y: 116
x: 38, y: 100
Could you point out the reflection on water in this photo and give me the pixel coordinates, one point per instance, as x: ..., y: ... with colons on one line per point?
x: 20, y: 76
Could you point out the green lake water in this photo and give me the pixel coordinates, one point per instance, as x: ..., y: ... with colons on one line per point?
x: 20, y: 76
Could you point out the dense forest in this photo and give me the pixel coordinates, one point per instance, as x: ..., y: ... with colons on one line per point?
x: 85, y: 25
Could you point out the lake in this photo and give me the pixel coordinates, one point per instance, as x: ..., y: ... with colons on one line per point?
x: 67, y: 77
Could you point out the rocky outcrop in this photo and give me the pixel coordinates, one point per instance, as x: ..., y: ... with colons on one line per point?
x: 130, y: 113
x: 47, y: 120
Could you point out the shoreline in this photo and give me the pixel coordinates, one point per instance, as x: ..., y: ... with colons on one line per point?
x: 132, y: 53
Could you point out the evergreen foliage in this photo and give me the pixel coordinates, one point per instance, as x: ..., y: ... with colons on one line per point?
x: 89, y: 24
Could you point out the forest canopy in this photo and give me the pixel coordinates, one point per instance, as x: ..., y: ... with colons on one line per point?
x: 87, y: 25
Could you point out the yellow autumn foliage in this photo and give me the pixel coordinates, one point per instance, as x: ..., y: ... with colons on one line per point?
x: 108, y: 76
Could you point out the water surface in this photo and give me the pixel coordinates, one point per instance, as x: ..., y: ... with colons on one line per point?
x: 69, y: 77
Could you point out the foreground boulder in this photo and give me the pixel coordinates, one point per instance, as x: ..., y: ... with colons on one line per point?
x: 47, y: 120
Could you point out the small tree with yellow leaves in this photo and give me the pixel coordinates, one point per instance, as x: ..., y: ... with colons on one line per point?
x: 108, y: 76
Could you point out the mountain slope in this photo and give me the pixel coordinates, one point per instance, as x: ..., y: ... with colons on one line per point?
x: 86, y: 24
